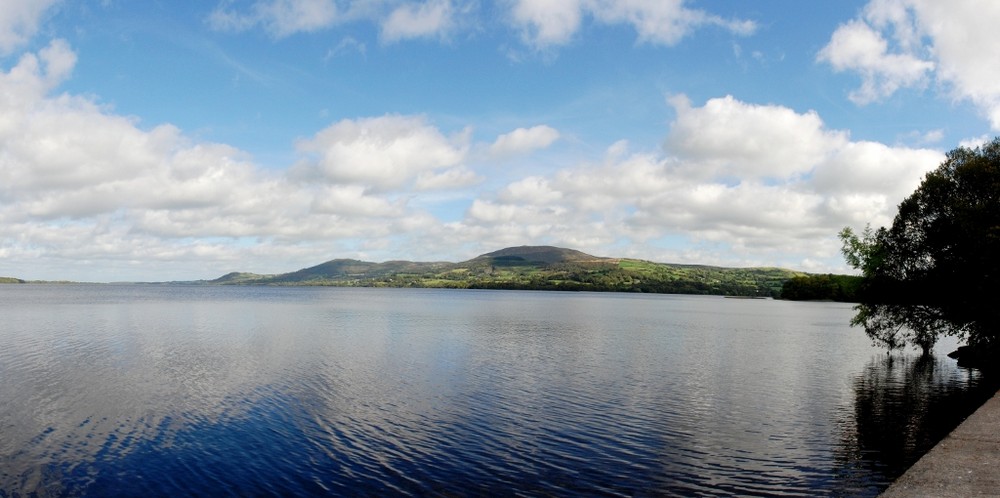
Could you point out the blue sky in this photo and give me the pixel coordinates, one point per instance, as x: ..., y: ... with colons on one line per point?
x: 184, y: 140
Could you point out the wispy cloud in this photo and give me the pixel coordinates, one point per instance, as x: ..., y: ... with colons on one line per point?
x: 543, y: 24
x: 429, y: 19
x: 280, y: 18
x: 550, y: 23
x: 348, y: 45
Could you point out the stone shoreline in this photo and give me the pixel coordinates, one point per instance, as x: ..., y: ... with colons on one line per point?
x: 965, y: 463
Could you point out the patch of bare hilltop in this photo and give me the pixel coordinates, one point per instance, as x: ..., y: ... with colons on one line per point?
x: 538, y: 254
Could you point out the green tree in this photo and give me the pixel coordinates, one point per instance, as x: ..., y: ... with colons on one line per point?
x: 842, y: 288
x: 935, y: 270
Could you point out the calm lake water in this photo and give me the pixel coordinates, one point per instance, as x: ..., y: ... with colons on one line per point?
x: 146, y: 390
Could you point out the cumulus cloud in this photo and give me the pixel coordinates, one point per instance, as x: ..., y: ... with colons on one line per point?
x: 858, y: 47
x: 524, y: 140
x: 897, y: 44
x: 19, y: 21
x: 79, y: 183
x: 34, y: 75
x: 383, y: 153
x: 533, y: 189
x: 973, y: 142
x: 352, y: 200
x: 761, y: 181
x: 873, y: 168
x: 551, y: 23
x: 453, y: 178
x: 727, y: 137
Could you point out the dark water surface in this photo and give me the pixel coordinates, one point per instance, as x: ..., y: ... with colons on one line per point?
x: 142, y: 390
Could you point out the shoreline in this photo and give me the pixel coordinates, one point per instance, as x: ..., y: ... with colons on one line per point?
x: 962, y: 464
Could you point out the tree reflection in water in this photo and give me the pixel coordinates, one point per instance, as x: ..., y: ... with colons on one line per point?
x: 904, y: 405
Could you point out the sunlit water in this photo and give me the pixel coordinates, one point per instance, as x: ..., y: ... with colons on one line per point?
x: 136, y: 390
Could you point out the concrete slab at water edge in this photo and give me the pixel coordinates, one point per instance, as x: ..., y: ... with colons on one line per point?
x: 965, y: 463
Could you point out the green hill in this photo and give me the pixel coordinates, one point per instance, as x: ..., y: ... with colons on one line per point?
x: 238, y: 278
x: 353, y: 271
x: 534, y: 268
x: 10, y: 280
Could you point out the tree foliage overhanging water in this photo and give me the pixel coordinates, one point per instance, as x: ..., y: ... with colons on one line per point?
x: 934, y: 271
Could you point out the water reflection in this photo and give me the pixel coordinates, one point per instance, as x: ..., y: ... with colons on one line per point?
x: 903, y: 405
x: 209, y: 391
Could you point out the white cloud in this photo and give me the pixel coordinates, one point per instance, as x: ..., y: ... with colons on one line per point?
x: 427, y: 19
x: 19, y: 21
x: 858, y: 47
x: 348, y: 45
x: 604, y: 188
x: 904, y: 43
x: 384, y: 153
x: 533, y: 189
x: 663, y: 21
x: 34, y: 75
x: 348, y: 200
x: 973, y: 142
x: 919, y: 137
x: 524, y: 140
x: 963, y: 36
x: 740, y: 183
x: 397, y: 20
x: 549, y: 23
x: 729, y: 138
x: 449, y: 179
x: 82, y: 186
x: 543, y: 24
x: 280, y: 18
x: 871, y: 167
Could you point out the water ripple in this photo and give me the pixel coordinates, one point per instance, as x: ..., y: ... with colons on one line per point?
x: 161, y: 391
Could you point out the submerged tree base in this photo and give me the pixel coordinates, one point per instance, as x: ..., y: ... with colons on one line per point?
x: 934, y: 272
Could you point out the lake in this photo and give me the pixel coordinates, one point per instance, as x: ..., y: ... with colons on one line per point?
x: 173, y: 390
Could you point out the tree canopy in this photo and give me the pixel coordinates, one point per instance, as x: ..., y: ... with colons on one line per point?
x: 935, y: 270
x: 843, y: 288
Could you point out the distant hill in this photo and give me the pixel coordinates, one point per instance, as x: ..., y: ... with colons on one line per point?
x: 535, y: 255
x: 352, y: 269
x: 10, y: 280
x: 534, y: 268
x: 238, y: 278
